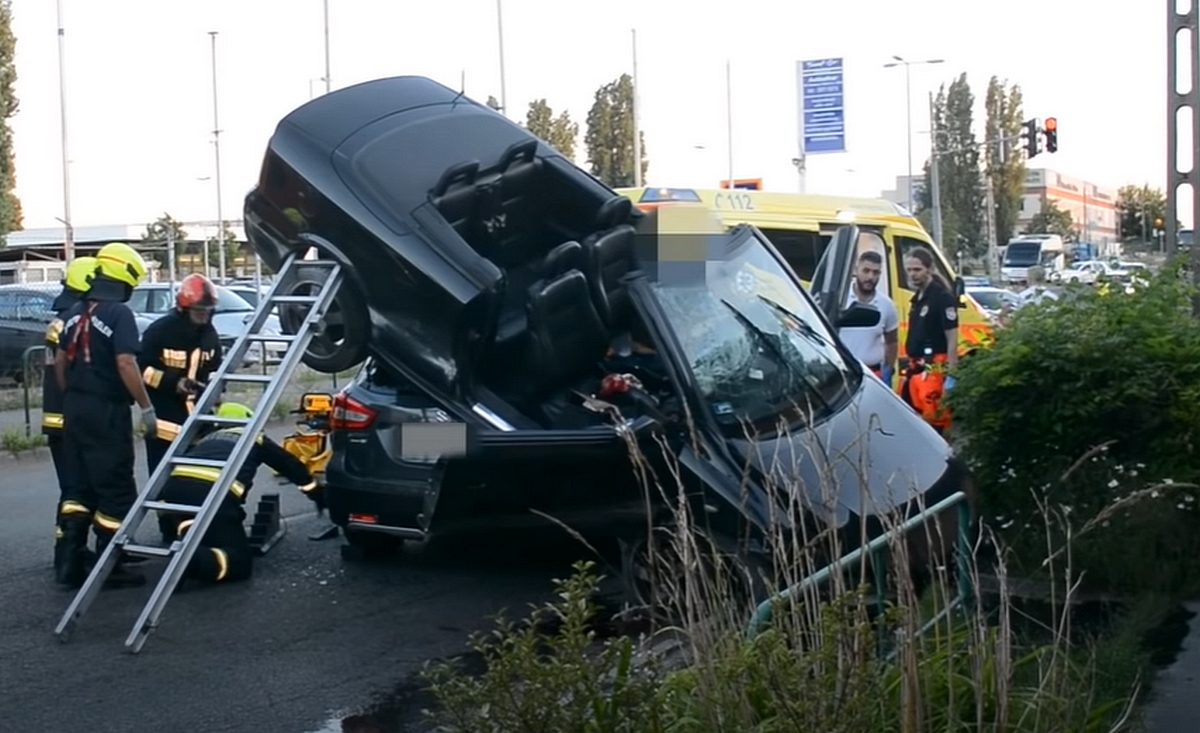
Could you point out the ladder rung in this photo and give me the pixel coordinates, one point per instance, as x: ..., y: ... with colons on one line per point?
x: 146, y: 550
x: 305, y: 299
x: 282, y: 338
x: 197, y: 462
x: 243, y: 377
x: 317, y: 263
x: 218, y: 420
x: 166, y: 506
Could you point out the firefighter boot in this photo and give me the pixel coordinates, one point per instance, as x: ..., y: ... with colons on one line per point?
x: 71, y: 551
x: 121, y: 576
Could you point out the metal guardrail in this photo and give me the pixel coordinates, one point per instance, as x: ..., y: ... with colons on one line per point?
x: 878, y: 550
x: 27, y: 375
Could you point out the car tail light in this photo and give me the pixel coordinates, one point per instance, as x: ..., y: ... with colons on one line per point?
x: 350, y: 414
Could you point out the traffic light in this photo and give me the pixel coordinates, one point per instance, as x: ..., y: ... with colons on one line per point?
x: 1029, y: 136
x: 1051, y: 127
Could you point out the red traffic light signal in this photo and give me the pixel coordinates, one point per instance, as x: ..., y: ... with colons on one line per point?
x: 1051, y: 128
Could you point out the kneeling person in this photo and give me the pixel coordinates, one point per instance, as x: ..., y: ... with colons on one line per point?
x: 225, y: 552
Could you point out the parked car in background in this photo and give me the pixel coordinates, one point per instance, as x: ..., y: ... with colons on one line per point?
x: 992, y: 300
x: 151, y: 301
x: 25, y: 311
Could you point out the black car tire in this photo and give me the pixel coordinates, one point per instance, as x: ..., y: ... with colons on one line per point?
x: 342, y: 342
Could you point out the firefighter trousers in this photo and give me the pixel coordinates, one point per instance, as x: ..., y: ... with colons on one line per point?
x: 54, y: 440
x: 224, y: 553
x: 98, y: 459
x: 156, y: 448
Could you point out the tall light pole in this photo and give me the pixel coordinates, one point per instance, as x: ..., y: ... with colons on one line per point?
x: 69, y: 239
x: 217, y: 154
x: 729, y: 115
x: 637, y: 135
x: 908, y: 105
x: 500, y: 33
x: 328, y: 81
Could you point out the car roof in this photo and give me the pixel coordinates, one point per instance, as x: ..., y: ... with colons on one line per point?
x: 52, y: 288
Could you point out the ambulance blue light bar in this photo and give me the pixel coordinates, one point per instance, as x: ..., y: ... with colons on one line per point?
x: 659, y: 195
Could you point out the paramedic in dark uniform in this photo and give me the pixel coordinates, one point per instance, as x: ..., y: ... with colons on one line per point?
x: 96, y: 366
x: 179, y: 353
x: 76, y: 281
x: 225, y: 553
x: 932, y: 343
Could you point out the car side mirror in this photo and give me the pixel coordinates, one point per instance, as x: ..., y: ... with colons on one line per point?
x: 859, y: 316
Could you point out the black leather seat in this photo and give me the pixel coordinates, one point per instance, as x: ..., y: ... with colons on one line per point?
x: 513, y: 318
x: 568, y: 339
x: 612, y: 258
x: 456, y: 198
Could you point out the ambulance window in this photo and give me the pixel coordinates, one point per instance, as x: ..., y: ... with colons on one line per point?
x: 871, y: 242
x: 801, y: 249
x: 904, y: 245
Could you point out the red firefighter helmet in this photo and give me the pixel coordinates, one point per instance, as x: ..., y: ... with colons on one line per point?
x: 196, y: 291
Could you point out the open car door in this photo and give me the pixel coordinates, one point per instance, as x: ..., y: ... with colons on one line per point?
x: 834, y: 272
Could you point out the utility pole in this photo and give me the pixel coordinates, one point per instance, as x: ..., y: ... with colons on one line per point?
x: 171, y: 252
x: 69, y: 239
x: 500, y: 33
x: 729, y: 115
x: 935, y: 188
x: 993, y: 233
x: 637, y: 135
x: 328, y: 80
x: 217, y: 153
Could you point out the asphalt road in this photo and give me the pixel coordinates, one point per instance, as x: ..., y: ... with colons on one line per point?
x: 309, y: 640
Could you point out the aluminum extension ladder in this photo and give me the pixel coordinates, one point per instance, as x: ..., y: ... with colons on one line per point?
x: 181, y: 551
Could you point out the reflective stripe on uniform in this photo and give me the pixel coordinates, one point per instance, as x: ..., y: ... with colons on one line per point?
x: 204, y: 473
x: 71, y: 506
x: 309, y: 486
x: 183, y: 526
x: 107, y: 522
x: 152, y: 377
x: 175, y: 359
x: 53, y: 420
x: 222, y: 562
x: 166, y: 430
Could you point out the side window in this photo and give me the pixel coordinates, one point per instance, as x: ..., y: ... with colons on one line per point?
x: 8, y: 306
x: 158, y: 300
x: 35, y: 308
x: 137, y: 301
x: 904, y: 245
x: 871, y: 241
x: 801, y: 249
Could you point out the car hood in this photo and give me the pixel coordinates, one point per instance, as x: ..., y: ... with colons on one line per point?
x: 874, y: 455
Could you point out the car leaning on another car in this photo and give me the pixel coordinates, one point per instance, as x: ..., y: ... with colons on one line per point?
x: 151, y: 301
x: 485, y: 277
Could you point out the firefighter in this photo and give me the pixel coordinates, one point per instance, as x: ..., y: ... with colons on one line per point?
x: 932, y: 342
x: 96, y: 367
x: 179, y: 353
x: 225, y: 553
x: 76, y: 281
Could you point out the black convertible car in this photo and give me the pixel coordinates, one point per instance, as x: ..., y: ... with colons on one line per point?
x: 510, y: 305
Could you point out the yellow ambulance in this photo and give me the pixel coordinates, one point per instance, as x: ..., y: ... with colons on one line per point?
x: 801, y: 225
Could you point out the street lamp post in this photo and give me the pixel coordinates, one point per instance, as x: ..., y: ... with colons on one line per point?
x: 908, y: 106
x: 69, y: 240
x: 217, y: 154
x: 328, y: 82
x: 500, y: 33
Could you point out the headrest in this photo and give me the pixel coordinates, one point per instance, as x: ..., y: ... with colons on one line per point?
x: 614, y: 212
x: 460, y: 173
x: 525, y: 150
x: 563, y: 258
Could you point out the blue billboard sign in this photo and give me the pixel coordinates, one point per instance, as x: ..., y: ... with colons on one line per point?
x: 821, y: 92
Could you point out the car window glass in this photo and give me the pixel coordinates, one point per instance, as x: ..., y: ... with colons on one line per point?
x: 8, y: 306
x: 158, y: 299
x: 869, y: 241
x: 137, y: 301
x: 230, y: 302
x: 35, y: 308
x: 904, y: 245
x: 801, y: 249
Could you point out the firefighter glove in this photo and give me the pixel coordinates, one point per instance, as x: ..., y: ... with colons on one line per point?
x: 149, y: 420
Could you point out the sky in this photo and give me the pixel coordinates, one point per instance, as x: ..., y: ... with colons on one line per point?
x: 140, y: 102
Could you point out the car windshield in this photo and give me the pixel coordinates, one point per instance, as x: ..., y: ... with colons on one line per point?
x: 756, y: 346
x: 1023, y: 254
x: 990, y: 299
x: 230, y: 302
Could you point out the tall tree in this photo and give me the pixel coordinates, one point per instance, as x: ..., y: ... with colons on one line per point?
x: 11, y: 218
x: 1052, y: 220
x: 1004, y: 163
x: 1139, y: 208
x: 609, y: 137
x: 560, y: 132
x: 160, y: 233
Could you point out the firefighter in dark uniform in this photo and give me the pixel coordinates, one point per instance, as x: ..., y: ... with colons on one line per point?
x: 225, y: 553
x: 179, y: 353
x: 96, y: 367
x: 76, y: 281
x: 932, y: 343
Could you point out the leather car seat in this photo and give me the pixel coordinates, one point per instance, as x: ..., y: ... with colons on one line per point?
x: 612, y: 258
x: 568, y: 338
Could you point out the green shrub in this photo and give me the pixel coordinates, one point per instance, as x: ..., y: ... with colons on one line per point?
x: 1081, y: 402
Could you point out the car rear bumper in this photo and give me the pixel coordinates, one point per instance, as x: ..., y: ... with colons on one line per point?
x: 388, y: 506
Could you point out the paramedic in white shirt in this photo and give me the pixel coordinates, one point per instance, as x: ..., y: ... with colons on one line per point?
x: 877, y: 346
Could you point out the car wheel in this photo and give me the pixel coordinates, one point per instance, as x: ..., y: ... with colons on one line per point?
x: 369, y: 545
x: 657, y: 585
x: 341, y: 340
